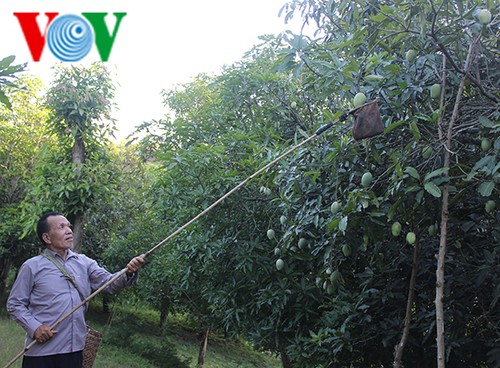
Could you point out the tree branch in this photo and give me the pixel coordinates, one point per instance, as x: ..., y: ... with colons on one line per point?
x: 399, y: 348
x: 439, y: 301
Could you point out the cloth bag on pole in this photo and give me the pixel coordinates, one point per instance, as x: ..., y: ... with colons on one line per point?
x: 367, y: 121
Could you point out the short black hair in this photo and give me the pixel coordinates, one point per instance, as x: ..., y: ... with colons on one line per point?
x: 42, y: 226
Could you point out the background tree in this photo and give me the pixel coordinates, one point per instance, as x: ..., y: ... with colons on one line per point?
x: 111, y: 235
x: 227, y: 126
x: 81, y: 100
x: 22, y: 138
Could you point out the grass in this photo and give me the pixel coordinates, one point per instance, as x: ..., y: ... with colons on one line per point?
x: 113, y: 357
x: 12, y: 339
x: 148, y: 343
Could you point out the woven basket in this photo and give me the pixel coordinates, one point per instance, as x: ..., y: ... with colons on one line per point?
x: 92, y: 342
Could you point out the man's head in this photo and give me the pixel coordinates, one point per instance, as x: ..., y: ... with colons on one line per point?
x: 54, y: 231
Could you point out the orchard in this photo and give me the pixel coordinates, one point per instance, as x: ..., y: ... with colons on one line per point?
x: 378, y: 252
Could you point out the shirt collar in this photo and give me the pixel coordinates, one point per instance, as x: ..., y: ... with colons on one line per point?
x: 71, y: 254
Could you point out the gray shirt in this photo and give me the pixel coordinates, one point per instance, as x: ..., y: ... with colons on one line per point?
x: 41, y: 294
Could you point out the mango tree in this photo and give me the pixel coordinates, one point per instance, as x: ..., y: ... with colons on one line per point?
x: 112, y: 218
x: 222, y: 129
x: 432, y: 68
x: 347, y: 277
x: 80, y: 101
x: 22, y: 139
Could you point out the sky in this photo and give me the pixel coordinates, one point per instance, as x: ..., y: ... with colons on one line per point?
x: 159, y: 44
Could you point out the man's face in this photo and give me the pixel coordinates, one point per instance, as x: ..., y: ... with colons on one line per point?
x: 60, y: 235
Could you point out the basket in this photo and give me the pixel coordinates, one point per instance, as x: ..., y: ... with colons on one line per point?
x: 92, y: 342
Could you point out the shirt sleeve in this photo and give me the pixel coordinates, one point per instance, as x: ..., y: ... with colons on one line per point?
x: 19, y: 300
x: 100, y: 276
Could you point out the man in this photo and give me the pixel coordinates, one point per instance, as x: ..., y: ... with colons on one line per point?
x: 49, y: 286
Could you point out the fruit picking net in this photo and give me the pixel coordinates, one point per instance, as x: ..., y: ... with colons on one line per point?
x: 367, y: 121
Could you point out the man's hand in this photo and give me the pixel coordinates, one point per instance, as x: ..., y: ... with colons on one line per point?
x: 135, y: 264
x: 43, y: 333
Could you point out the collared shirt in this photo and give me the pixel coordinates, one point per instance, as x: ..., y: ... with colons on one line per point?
x: 41, y: 294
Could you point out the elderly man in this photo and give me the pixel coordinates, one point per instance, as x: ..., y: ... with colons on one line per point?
x: 49, y: 286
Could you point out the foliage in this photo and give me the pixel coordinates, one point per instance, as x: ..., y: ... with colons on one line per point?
x: 340, y: 300
x: 367, y: 45
x: 116, y: 208
x: 75, y: 176
x: 21, y: 134
x: 57, y: 185
x: 7, y: 74
x: 81, y: 100
x: 211, y: 271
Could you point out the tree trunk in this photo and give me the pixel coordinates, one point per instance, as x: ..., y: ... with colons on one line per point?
x: 285, y: 359
x: 164, y: 310
x: 163, y: 316
x: 165, y: 303
x: 440, y: 335
x: 399, y: 348
x: 439, y: 301
x: 5, y: 263
x: 77, y: 232
x: 106, y: 298
x: 203, y: 348
x: 78, y: 152
x: 78, y: 158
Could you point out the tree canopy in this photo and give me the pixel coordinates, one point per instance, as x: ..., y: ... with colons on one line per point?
x: 357, y: 277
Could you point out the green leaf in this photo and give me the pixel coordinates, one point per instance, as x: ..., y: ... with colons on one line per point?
x: 303, y: 256
x: 412, y: 172
x: 485, y: 122
x: 415, y: 131
x: 5, y: 62
x: 486, y: 188
x: 377, y: 214
x: 387, y: 9
x: 433, y: 189
x: 419, y: 196
x: 5, y: 100
x: 343, y: 224
x: 423, y: 117
x: 486, y: 165
x: 436, y: 173
x: 328, y: 115
x: 423, y: 26
x: 374, y: 78
x: 393, y: 126
x: 378, y: 17
x: 333, y: 224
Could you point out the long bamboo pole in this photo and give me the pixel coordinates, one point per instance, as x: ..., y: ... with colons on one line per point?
x: 322, y: 129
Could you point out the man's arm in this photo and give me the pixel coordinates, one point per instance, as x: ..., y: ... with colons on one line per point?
x: 135, y: 264
x: 19, y: 300
x: 99, y: 276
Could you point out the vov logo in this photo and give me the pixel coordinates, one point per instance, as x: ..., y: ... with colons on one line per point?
x: 69, y: 37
